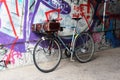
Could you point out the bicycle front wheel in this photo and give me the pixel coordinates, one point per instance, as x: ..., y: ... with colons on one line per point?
x: 47, y: 54
x: 84, y: 47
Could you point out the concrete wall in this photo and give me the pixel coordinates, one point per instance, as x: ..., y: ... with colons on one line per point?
x: 16, y: 17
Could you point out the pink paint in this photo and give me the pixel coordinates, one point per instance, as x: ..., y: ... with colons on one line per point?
x: 12, y: 57
x: 52, y: 11
x: 11, y: 51
x: 13, y: 28
x: 79, y: 12
x: 97, y: 37
x: 17, y: 11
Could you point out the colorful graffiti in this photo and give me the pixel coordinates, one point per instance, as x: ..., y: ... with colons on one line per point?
x: 106, y: 22
x: 17, y: 16
x: 61, y: 4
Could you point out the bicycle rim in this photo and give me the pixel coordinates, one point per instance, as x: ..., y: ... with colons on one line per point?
x: 84, y: 47
x: 47, y: 55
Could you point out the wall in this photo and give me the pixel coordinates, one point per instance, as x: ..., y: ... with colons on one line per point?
x: 16, y: 17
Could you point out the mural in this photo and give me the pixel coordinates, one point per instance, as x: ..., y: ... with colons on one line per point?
x: 17, y: 40
x: 106, y: 20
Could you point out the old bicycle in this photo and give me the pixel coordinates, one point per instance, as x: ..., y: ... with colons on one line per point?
x: 47, y: 51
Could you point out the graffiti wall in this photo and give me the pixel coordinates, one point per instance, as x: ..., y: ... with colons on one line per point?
x: 17, y: 40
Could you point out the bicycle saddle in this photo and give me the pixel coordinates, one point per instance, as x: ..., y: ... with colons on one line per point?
x: 77, y: 19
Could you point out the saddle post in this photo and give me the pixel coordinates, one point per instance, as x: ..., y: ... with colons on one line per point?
x: 73, y: 39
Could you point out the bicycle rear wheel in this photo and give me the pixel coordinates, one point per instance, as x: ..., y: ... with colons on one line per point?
x: 47, y: 54
x: 84, y: 47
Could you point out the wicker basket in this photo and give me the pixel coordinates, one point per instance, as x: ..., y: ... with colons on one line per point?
x: 46, y: 27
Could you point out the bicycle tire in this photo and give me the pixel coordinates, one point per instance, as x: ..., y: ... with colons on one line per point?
x: 84, y: 47
x: 43, y: 52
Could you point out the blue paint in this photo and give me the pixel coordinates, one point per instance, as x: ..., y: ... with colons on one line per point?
x: 25, y: 18
x: 111, y: 37
x: 20, y: 1
x: 64, y: 6
x: 8, y: 41
x: 20, y: 44
x: 0, y: 4
x: 35, y: 11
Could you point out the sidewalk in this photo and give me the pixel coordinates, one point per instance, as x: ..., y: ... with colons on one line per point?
x: 105, y: 66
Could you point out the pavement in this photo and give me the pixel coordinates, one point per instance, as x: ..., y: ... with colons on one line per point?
x: 104, y: 66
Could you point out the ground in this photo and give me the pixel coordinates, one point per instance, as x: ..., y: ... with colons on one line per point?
x: 104, y: 66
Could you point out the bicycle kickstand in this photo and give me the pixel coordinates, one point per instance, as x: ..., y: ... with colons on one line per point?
x: 71, y: 57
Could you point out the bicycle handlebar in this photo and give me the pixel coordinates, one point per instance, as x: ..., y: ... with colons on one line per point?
x: 55, y: 20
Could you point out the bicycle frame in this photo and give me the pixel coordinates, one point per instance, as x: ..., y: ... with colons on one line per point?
x: 74, y: 36
x: 71, y: 49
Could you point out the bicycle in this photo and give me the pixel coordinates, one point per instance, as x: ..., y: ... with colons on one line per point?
x: 47, y: 51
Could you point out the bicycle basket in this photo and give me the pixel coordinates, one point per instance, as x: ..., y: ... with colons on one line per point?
x: 46, y: 27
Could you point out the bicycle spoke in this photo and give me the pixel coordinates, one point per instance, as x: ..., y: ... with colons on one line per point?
x: 47, y: 55
x: 85, y: 49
